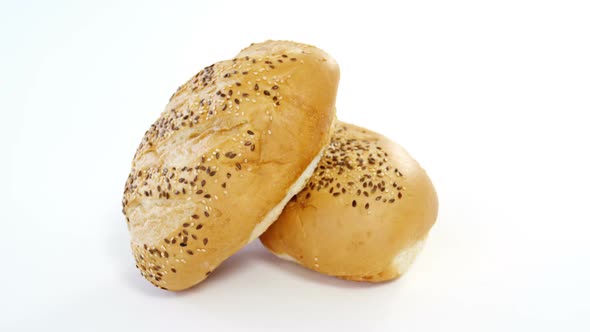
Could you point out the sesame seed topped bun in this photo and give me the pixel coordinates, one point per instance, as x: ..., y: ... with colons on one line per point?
x: 363, y: 215
x: 233, y: 145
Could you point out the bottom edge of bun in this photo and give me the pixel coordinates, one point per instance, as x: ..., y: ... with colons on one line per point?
x: 399, y: 264
x: 403, y: 260
x: 286, y: 257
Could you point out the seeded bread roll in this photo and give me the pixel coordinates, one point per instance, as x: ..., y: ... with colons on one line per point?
x: 363, y: 215
x: 233, y: 145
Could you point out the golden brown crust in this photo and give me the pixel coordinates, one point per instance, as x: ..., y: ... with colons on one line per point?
x: 365, y: 204
x: 225, y: 151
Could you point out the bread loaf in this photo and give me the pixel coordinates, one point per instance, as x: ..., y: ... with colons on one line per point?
x: 363, y: 215
x: 233, y: 145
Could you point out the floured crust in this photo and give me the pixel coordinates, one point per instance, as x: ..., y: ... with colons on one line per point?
x: 231, y: 144
x: 364, y: 213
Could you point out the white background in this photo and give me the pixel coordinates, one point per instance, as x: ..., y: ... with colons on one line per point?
x: 492, y: 98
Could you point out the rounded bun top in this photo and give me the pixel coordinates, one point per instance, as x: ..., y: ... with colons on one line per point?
x: 227, y: 149
x: 367, y: 201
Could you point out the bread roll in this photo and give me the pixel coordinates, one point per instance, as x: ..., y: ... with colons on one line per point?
x: 233, y: 145
x: 363, y: 215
